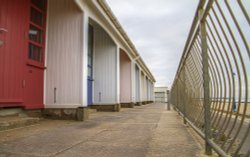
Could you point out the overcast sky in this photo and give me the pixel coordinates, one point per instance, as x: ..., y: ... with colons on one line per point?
x: 159, y: 30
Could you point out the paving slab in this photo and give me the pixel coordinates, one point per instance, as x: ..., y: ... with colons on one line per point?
x: 11, y: 122
x: 172, y: 139
x: 143, y: 131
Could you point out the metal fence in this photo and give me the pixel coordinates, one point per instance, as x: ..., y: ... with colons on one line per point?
x: 160, y: 99
x: 211, y: 86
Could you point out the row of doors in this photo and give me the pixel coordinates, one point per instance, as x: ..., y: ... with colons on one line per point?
x: 22, y: 41
x: 22, y: 45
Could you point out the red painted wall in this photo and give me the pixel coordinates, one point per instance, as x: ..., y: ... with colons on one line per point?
x: 14, y: 18
x: 20, y: 84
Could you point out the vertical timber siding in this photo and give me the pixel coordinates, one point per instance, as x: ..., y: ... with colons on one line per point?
x: 64, y: 53
x: 143, y: 87
x: 125, y: 77
x: 14, y: 17
x: 137, y: 84
x: 151, y: 91
x: 105, y: 76
x: 147, y: 91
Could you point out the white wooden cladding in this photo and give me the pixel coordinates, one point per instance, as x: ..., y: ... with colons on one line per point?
x: 148, y: 89
x: 152, y: 91
x: 137, y: 84
x: 64, y: 53
x: 143, y: 87
x: 64, y: 60
x: 105, y: 75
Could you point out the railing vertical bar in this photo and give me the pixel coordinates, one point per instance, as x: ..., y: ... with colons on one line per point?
x: 194, y: 91
x: 198, y: 79
x: 219, y: 82
x: 244, y: 11
x: 229, y: 63
x: 223, y: 76
x: 238, y: 27
x: 214, y: 91
x: 206, y: 86
x: 216, y: 75
x: 198, y: 58
x: 195, y: 69
x: 184, y: 96
x: 198, y: 71
x: 239, y: 78
x: 237, y: 68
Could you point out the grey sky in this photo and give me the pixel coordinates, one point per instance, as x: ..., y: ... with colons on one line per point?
x: 159, y: 30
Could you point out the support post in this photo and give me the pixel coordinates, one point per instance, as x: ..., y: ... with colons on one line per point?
x: 168, y: 97
x: 85, y: 61
x: 177, y: 96
x: 205, y: 70
x: 184, y: 98
x: 140, y: 87
x: 118, y: 93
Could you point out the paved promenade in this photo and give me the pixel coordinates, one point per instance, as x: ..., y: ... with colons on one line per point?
x: 143, y: 131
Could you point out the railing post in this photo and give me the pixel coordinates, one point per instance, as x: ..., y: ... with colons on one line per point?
x: 205, y: 71
x: 168, y: 97
x: 177, y: 96
x: 184, y: 95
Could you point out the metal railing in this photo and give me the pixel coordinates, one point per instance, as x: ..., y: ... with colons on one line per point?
x: 211, y: 86
x: 160, y: 99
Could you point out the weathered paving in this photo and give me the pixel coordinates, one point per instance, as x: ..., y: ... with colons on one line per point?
x: 143, y: 131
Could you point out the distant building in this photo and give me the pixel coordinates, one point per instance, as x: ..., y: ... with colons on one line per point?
x: 160, y: 94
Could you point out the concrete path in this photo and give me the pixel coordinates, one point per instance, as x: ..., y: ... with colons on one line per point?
x: 144, y: 131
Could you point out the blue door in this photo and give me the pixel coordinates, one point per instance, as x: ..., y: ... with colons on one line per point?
x: 90, y: 64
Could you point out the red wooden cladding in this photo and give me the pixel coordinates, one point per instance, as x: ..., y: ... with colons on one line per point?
x: 14, y: 16
x: 34, y: 71
x: 33, y: 91
x: 22, y: 54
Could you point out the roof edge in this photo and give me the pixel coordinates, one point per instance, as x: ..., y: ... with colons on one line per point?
x: 118, y: 26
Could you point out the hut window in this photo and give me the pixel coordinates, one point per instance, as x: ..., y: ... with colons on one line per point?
x: 37, y: 30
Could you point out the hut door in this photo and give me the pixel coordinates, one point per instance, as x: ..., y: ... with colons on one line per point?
x: 90, y: 65
x: 34, y: 70
x: 13, y: 47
